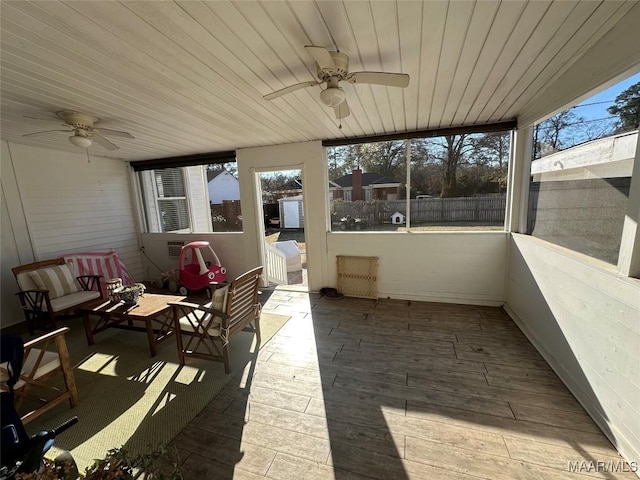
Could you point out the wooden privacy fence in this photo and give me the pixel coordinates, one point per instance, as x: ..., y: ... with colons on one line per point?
x: 489, y: 209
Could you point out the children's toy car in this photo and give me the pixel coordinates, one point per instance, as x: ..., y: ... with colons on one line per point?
x: 195, y: 272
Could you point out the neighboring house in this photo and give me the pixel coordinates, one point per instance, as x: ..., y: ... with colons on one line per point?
x: 292, y: 188
x: 364, y: 186
x: 222, y: 186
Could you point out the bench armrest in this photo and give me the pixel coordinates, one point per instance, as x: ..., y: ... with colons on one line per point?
x: 35, y: 300
x: 90, y: 282
x: 46, y: 338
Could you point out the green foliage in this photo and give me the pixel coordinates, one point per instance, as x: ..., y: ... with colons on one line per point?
x: 437, y: 163
x: 627, y: 108
x: 385, y: 158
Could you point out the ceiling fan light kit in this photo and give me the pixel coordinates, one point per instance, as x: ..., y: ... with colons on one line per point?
x: 333, y: 68
x: 332, y: 96
x: 80, y: 141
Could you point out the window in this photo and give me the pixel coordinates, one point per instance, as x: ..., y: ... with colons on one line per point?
x: 200, y: 198
x: 165, y: 200
x: 457, y: 182
x: 581, y: 172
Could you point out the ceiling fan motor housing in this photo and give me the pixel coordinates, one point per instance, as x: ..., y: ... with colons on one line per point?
x: 77, y: 120
x: 340, y: 69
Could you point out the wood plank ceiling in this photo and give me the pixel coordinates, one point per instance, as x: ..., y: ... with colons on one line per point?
x: 188, y: 77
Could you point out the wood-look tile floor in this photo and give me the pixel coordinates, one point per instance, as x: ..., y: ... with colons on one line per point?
x: 360, y: 389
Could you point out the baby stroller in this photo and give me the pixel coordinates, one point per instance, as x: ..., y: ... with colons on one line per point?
x: 20, y: 453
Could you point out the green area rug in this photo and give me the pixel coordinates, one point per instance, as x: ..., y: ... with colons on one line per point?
x: 129, y: 399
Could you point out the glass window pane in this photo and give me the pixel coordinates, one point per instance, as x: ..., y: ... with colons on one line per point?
x: 170, y: 182
x: 457, y: 182
x: 174, y: 214
x: 366, y: 185
x: 224, y: 197
x: 580, y: 176
x: 213, y: 203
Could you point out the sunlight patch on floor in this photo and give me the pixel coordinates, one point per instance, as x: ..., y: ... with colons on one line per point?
x: 100, y: 363
x: 188, y: 375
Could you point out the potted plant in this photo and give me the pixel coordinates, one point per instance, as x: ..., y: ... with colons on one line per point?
x: 130, y: 294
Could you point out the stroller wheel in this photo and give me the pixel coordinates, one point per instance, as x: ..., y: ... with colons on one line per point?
x: 173, y: 286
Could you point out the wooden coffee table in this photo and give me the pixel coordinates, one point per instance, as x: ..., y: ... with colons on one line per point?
x: 153, y: 310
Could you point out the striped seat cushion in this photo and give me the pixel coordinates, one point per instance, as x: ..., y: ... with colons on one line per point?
x: 59, y: 280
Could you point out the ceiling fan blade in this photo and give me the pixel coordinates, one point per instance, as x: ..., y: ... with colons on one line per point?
x: 46, y: 119
x: 114, y: 133
x: 322, y: 56
x: 46, y: 131
x: 342, y: 110
x: 103, y: 141
x: 380, y: 78
x: 289, y: 89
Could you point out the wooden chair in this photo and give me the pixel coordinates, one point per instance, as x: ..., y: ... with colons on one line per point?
x: 209, y: 328
x: 36, y: 390
x: 40, y: 306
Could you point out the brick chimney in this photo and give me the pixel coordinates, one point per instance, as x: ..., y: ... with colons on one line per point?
x: 356, y: 182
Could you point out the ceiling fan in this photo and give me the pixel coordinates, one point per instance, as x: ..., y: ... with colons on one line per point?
x: 333, y: 68
x: 84, y: 134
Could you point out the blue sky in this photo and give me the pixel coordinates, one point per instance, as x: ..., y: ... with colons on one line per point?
x: 590, y: 112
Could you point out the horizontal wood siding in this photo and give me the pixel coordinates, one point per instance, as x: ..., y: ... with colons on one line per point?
x: 73, y: 204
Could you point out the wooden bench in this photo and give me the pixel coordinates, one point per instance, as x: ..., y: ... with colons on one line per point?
x: 65, y: 295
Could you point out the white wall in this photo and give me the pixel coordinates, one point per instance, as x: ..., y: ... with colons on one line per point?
x: 608, y: 157
x: 584, y: 318
x: 59, y: 203
x: 310, y: 159
x: 443, y: 266
x: 457, y: 267
x: 229, y: 248
x: 224, y: 187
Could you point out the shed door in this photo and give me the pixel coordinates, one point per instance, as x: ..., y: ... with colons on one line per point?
x: 291, y: 215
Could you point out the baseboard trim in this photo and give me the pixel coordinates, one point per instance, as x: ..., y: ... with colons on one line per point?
x: 615, y: 436
x: 439, y: 298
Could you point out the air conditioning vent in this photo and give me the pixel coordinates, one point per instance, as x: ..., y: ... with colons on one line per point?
x: 174, y: 249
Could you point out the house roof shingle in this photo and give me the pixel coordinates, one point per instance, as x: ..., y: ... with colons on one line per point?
x: 367, y: 179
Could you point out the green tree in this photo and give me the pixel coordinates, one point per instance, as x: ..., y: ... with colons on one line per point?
x: 491, y: 151
x: 385, y: 158
x: 627, y: 107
